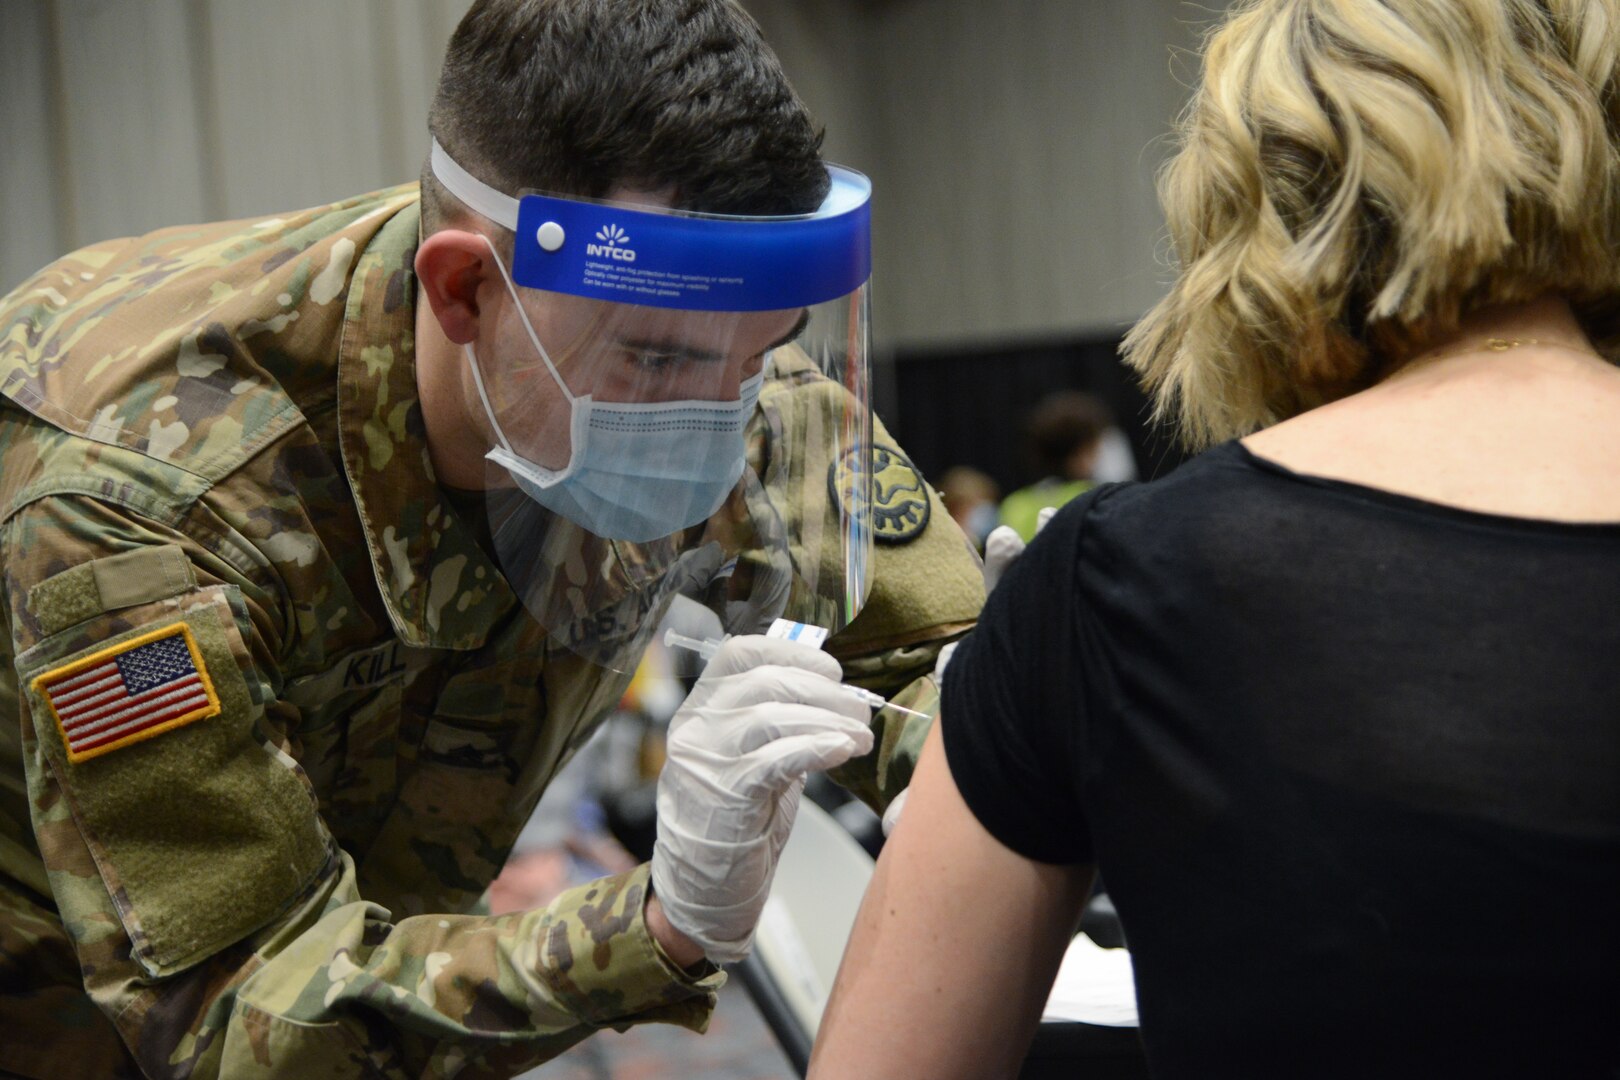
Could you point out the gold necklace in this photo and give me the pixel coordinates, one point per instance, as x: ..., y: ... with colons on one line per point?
x: 1495, y: 345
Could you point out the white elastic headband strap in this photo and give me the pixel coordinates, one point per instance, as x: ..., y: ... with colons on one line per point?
x: 499, y: 207
x: 523, y: 315
x: 502, y: 210
x: 489, y: 411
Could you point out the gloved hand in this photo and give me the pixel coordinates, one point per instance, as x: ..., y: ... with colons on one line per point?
x: 1003, y: 546
x: 1001, y: 549
x: 766, y: 712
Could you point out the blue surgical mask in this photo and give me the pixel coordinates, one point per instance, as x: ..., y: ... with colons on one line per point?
x: 981, y: 521
x: 636, y: 471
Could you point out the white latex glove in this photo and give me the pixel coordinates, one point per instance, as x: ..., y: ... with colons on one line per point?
x: 1003, y: 546
x: 1001, y: 549
x: 891, y: 813
x: 766, y: 712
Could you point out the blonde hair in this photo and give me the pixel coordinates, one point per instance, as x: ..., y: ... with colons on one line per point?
x: 1355, y: 176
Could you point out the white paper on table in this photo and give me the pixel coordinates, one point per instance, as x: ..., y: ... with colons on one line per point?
x: 1093, y: 986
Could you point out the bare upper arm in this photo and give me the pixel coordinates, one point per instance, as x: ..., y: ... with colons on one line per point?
x: 954, y: 950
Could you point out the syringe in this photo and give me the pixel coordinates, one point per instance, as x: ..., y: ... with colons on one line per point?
x: 707, y: 647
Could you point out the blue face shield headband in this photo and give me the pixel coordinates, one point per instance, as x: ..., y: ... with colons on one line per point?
x: 679, y: 259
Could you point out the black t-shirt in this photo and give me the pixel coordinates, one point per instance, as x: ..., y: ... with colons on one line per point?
x: 1349, y: 762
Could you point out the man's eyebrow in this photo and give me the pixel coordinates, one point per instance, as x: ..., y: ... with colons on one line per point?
x: 687, y: 351
x: 798, y: 328
x: 671, y: 347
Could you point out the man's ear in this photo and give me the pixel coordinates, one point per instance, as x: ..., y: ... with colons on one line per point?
x: 451, y: 264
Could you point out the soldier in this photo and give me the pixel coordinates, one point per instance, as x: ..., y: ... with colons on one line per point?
x: 327, y: 537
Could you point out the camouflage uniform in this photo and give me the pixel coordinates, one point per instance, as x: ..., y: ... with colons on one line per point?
x: 213, y: 432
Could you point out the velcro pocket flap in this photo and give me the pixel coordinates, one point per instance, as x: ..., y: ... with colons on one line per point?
x: 102, y: 585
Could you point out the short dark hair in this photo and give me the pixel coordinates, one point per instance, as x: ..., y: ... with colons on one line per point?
x: 1062, y: 423
x: 575, y: 96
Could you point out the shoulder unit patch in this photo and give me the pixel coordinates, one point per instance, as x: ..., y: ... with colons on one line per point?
x: 129, y: 692
x: 900, y: 506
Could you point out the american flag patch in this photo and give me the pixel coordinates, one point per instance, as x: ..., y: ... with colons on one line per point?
x: 132, y: 691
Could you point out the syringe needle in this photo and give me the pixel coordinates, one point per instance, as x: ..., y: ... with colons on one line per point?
x: 707, y: 647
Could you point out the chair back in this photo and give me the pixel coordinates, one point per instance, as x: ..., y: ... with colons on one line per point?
x: 820, y: 880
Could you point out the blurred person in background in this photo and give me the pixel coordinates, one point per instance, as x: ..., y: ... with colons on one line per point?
x: 972, y: 499
x: 1334, y: 705
x: 1064, y: 434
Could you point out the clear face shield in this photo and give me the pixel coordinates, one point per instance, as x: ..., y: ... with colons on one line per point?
x: 679, y: 406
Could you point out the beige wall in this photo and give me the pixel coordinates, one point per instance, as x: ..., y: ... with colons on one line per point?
x: 118, y: 116
x: 1012, y: 144
x: 1011, y: 141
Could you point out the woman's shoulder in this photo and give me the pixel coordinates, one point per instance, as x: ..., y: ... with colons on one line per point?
x: 1216, y: 475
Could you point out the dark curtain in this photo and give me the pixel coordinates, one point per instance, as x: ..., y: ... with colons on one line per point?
x: 969, y: 406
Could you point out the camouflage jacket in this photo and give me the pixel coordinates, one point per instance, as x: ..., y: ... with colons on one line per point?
x: 212, y: 462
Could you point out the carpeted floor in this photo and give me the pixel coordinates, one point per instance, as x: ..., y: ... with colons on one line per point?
x: 737, y: 1046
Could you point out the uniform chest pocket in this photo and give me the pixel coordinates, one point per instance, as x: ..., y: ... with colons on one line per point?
x: 450, y: 745
x: 352, y: 761
x: 463, y: 800
x: 484, y: 719
x: 350, y: 736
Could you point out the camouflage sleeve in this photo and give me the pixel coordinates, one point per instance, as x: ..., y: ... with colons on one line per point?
x: 463, y: 996
x: 216, y: 922
x: 927, y: 589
